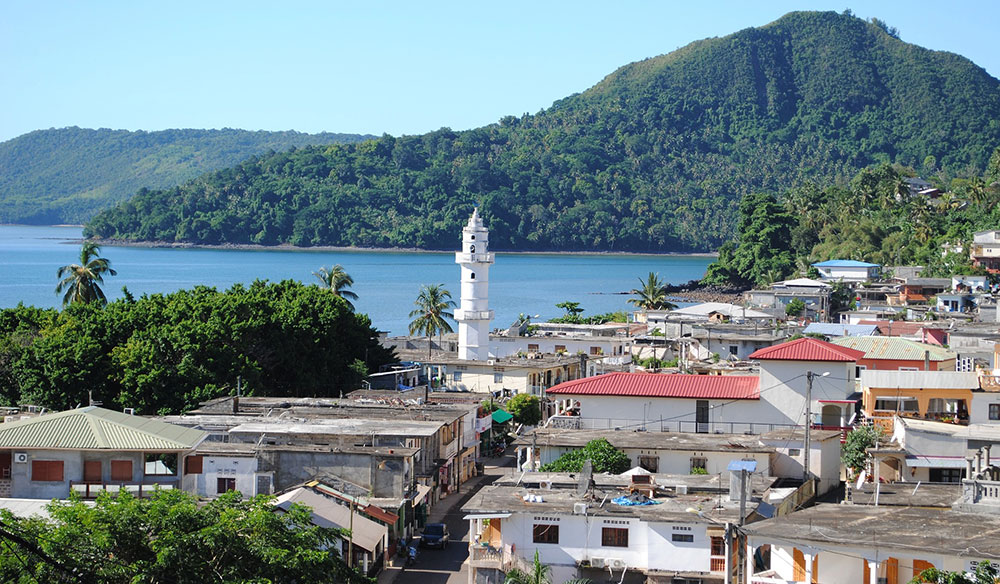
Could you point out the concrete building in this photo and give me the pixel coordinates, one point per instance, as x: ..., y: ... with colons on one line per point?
x: 474, y: 314
x: 932, y: 395
x: 91, y: 450
x: 815, y: 295
x: 985, y: 250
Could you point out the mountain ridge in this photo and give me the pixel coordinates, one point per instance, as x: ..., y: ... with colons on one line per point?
x: 654, y: 157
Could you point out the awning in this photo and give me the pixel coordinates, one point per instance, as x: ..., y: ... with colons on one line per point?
x: 422, y: 491
x: 486, y: 516
x: 934, y: 462
x: 501, y: 416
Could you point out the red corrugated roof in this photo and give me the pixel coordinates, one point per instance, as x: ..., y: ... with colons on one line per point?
x: 664, y: 385
x: 807, y: 349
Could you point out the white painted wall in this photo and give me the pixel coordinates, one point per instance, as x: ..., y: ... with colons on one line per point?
x: 979, y: 409
x: 848, y: 274
x: 650, y: 544
x: 679, y: 461
x: 502, y: 347
x: 824, y: 460
x: 242, y: 468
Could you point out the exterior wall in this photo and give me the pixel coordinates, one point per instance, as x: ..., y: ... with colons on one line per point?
x: 722, y: 346
x: 824, y: 461
x: 923, y: 396
x: 502, y: 347
x: 482, y: 378
x: 474, y: 314
x: 291, y: 467
x: 783, y: 386
x: 848, y: 274
x: 241, y: 468
x: 650, y: 544
x: 897, y: 364
x: 844, y: 566
x: 979, y: 409
x: 678, y: 414
x: 73, y: 463
x: 679, y: 461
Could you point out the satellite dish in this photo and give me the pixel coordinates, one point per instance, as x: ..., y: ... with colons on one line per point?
x: 586, y: 478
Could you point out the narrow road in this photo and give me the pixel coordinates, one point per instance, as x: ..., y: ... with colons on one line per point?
x: 447, y: 566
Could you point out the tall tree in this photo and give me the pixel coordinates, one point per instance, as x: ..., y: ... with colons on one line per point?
x: 81, y: 281
x: 431, y: 313
x: 652, y: 295
x: 338, y: 281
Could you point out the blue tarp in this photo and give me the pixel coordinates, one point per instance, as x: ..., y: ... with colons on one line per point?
x: 633, y: 501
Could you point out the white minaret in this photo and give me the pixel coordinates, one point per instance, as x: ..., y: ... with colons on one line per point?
x: 474, y: 314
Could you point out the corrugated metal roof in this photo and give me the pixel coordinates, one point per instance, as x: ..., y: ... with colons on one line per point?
x: 896, y: 328
x: 891, y: 379
x: 832, y: 329
x: 807, y: 349
x: 894, y: 348
x: 93, y: 428
x: 329, y: 513
x: 664, y: 385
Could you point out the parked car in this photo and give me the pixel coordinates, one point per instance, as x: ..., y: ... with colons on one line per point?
x: 435, y: 535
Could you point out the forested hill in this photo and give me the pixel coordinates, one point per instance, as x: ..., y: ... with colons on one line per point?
x: 655, y: 157
x: 68, y: 175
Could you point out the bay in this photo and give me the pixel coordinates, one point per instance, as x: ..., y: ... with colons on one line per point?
x: 387, y: 282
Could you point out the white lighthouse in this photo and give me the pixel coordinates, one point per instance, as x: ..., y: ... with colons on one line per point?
x: 474, y: 314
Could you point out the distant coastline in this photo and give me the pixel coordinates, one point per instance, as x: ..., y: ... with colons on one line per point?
x: 329, y: 248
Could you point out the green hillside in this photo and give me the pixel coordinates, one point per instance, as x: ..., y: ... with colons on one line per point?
x: 655, y: 157
x: 68, y: 175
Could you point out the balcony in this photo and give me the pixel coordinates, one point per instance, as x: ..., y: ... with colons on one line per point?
x: 989, y: 382
x: 485, y: 557
x: 474, y: 258
x: 718, y: 564
x: 473, y: 314
x: 92, y: 490
x: 449, y: 450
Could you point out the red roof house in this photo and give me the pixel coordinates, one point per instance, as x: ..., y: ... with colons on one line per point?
x: 663, y: 385
x: 806, y: 349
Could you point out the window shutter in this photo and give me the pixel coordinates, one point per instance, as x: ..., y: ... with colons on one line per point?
x: 193, y: 465
x: 121, y: 470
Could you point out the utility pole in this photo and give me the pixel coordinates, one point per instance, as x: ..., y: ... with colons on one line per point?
x: 808, y: 437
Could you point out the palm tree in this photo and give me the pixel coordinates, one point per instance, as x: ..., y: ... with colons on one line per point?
x: 80, y: 281
x: 652, y: 295
x: 336, y: 280
x: 431, y: 313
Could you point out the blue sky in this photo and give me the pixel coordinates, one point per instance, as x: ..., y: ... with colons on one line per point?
x: 371, y: 67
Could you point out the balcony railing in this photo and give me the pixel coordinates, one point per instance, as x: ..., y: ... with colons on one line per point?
x: 473, y: 314
x: 92, y: 490
x: 474, y: 258
x: 718, y: 564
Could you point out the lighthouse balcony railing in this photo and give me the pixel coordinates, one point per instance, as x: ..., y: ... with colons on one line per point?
x: 473, y: 314
x: 474, y: 258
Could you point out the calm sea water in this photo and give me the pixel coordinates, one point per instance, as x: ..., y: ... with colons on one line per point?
x: 386, y: 282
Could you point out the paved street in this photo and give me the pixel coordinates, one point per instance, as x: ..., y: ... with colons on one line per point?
x: 443, y: 566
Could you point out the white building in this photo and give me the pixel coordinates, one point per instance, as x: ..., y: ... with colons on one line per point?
x: 847, y: 270
x: 474, y: 314
x: 848, y: 544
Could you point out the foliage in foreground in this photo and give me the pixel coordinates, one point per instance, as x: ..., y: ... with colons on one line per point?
x: 985, y: 573
x: 605, y: 457
x: 165, y: 353
x: 170, y: 537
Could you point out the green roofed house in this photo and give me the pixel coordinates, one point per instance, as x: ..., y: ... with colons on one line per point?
x: 91, y: 449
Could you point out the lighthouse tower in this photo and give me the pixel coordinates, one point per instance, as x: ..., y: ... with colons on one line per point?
x: 474, y: 314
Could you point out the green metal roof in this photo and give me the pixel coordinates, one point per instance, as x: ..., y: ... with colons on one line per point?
x: 93, y: 428
x: 894, y: 348
x: 501, y: 416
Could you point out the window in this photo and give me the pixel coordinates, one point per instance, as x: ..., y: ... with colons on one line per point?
x: 896, y: 404
x: 472, y: 275
x: 472, y: 248
x: 595, y: 350
x: 533, y: 347
x: 650, y: 463
x: 560, y: 348
x: 456, y: 376
x: 224, y: 485
x: 542, y: 533
x: 718, y: 546
x: 995, y: 411
x: 682, y: 537
x: 946, y: 475
x: 193, y: 465
x: 121, y: 470
x: 794, y: 452
x: 858, y: 370
x: 498, y: 378
x: 92, y: 471
x: 614, y: 537
x: 47, y: 470
x: 698, y: 462
x: 734, y: 350
x: 161, y: 464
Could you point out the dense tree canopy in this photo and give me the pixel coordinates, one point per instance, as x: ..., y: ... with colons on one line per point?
x: 170, y: 538
x: 167, y: 352
x: 67, y: 175
x: 655, y: 157
x: 604, y: 456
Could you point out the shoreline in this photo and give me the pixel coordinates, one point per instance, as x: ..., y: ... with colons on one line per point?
x: 355, y: 249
